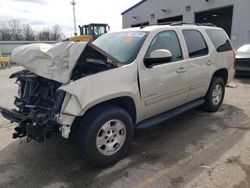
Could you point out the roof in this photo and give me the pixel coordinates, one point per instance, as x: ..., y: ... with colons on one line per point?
x: 136, y: 5
x: 97, y: 24
x: 167, y: 26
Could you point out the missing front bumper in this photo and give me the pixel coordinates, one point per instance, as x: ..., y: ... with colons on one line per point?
x: 27, y: 127
x: 12, y: 114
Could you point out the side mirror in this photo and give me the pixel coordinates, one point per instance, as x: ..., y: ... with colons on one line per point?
x: 158, y: 57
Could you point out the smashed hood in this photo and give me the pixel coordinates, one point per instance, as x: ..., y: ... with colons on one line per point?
x: 54, y: 62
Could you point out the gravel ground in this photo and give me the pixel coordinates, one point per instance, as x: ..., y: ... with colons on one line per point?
x: 195, y: 149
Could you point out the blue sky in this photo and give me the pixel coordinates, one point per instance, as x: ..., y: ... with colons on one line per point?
x: 45, y: 13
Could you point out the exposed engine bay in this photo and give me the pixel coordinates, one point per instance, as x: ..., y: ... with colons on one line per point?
x: 39, y: 99
x: 91, y: 62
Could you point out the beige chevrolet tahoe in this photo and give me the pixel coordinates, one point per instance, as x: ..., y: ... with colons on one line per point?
x: 134, y: 78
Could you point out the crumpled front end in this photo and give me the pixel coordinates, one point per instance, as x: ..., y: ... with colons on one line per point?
x: 49, y: 67
x: 38, y: 102
x: 54, y: 62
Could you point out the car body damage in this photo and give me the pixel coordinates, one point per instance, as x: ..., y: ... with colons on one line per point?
x: 54, y: 62
x: 124, y: 80
x: 117, y: 83
x: 45, y: 85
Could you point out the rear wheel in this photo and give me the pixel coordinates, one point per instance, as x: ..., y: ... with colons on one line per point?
x: 105, y: 135
x: 215, y: 95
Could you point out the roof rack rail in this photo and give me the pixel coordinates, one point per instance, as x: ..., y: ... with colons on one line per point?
x: 206, y: 24
x: 177, y: 23
x: 198, y: 24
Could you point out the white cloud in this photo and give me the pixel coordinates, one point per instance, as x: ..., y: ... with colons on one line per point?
x: 45, y: 13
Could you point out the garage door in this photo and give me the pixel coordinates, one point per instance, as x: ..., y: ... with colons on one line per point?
x: 170, y: 20
x: 221, y: 17
x: 249, y: 36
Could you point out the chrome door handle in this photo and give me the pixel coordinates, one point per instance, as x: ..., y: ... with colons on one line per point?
x: 181, y: 70
x: 209, y: 62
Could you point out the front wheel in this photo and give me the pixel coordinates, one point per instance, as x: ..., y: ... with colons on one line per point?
x: 105, y: 135
x: 215, y: 95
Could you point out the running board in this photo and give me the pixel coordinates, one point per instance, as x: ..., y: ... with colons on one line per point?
x: 169, y: 114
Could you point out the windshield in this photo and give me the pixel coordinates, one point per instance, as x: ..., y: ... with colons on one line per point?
x: 123, y: 46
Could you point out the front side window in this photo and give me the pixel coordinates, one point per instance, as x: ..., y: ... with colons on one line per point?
x: 195, y: 43
x: 124, y: 46
x: 167, y: 40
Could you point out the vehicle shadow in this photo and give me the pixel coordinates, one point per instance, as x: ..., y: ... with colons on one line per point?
x: 57, y: 162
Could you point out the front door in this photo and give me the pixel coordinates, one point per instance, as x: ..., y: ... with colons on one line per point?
x: 165, y: 85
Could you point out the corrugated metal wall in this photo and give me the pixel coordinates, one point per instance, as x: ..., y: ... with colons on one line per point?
x: 6, y: 47
x: 241, y: 15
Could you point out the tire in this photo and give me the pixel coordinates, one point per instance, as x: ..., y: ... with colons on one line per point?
x: 215, y: 95
x: 109, y: 125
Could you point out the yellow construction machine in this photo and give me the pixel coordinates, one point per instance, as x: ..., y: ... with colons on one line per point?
x: 90, y: 32
x: 4, y: 62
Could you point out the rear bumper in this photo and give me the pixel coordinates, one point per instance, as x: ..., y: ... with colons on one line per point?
x: 242, y: 71
x: 242, y: 66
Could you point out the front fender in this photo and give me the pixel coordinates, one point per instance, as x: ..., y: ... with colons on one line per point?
x: 89, y: 91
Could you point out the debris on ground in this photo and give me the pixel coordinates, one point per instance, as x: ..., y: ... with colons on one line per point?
x: 232, y: 85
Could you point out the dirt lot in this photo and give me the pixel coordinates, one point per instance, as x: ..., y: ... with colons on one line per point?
x: 196, y: 149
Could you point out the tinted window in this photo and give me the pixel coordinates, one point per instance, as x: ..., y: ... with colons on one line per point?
x: 167, y: 40
x: 195, y: 43
x: 220, y: 40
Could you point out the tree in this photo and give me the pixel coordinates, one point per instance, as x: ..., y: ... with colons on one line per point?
x: 56, y: 33
x: 15, y: 29
x: 44, y: 35
x: 5, y: 33
x: 28, y: 33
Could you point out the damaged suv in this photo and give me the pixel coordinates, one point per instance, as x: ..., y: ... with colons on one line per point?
x: 131, y: 79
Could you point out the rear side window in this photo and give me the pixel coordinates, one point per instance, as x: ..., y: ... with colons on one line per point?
x: 220, y: 40
x: 195, y: 43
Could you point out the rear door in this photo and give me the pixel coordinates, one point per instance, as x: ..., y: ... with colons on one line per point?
x: 199, y: 62
x: 165, y: 85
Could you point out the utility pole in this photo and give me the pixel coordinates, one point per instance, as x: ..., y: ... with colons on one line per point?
x: 73, y: 3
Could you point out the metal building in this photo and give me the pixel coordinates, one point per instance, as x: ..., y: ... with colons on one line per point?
x: 232, y: 15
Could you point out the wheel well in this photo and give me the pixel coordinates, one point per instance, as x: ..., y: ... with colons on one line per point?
x: 126, y: 103
x: 222, y: 73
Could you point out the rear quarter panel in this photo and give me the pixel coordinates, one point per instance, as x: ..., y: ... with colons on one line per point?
x: 221, y: 60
